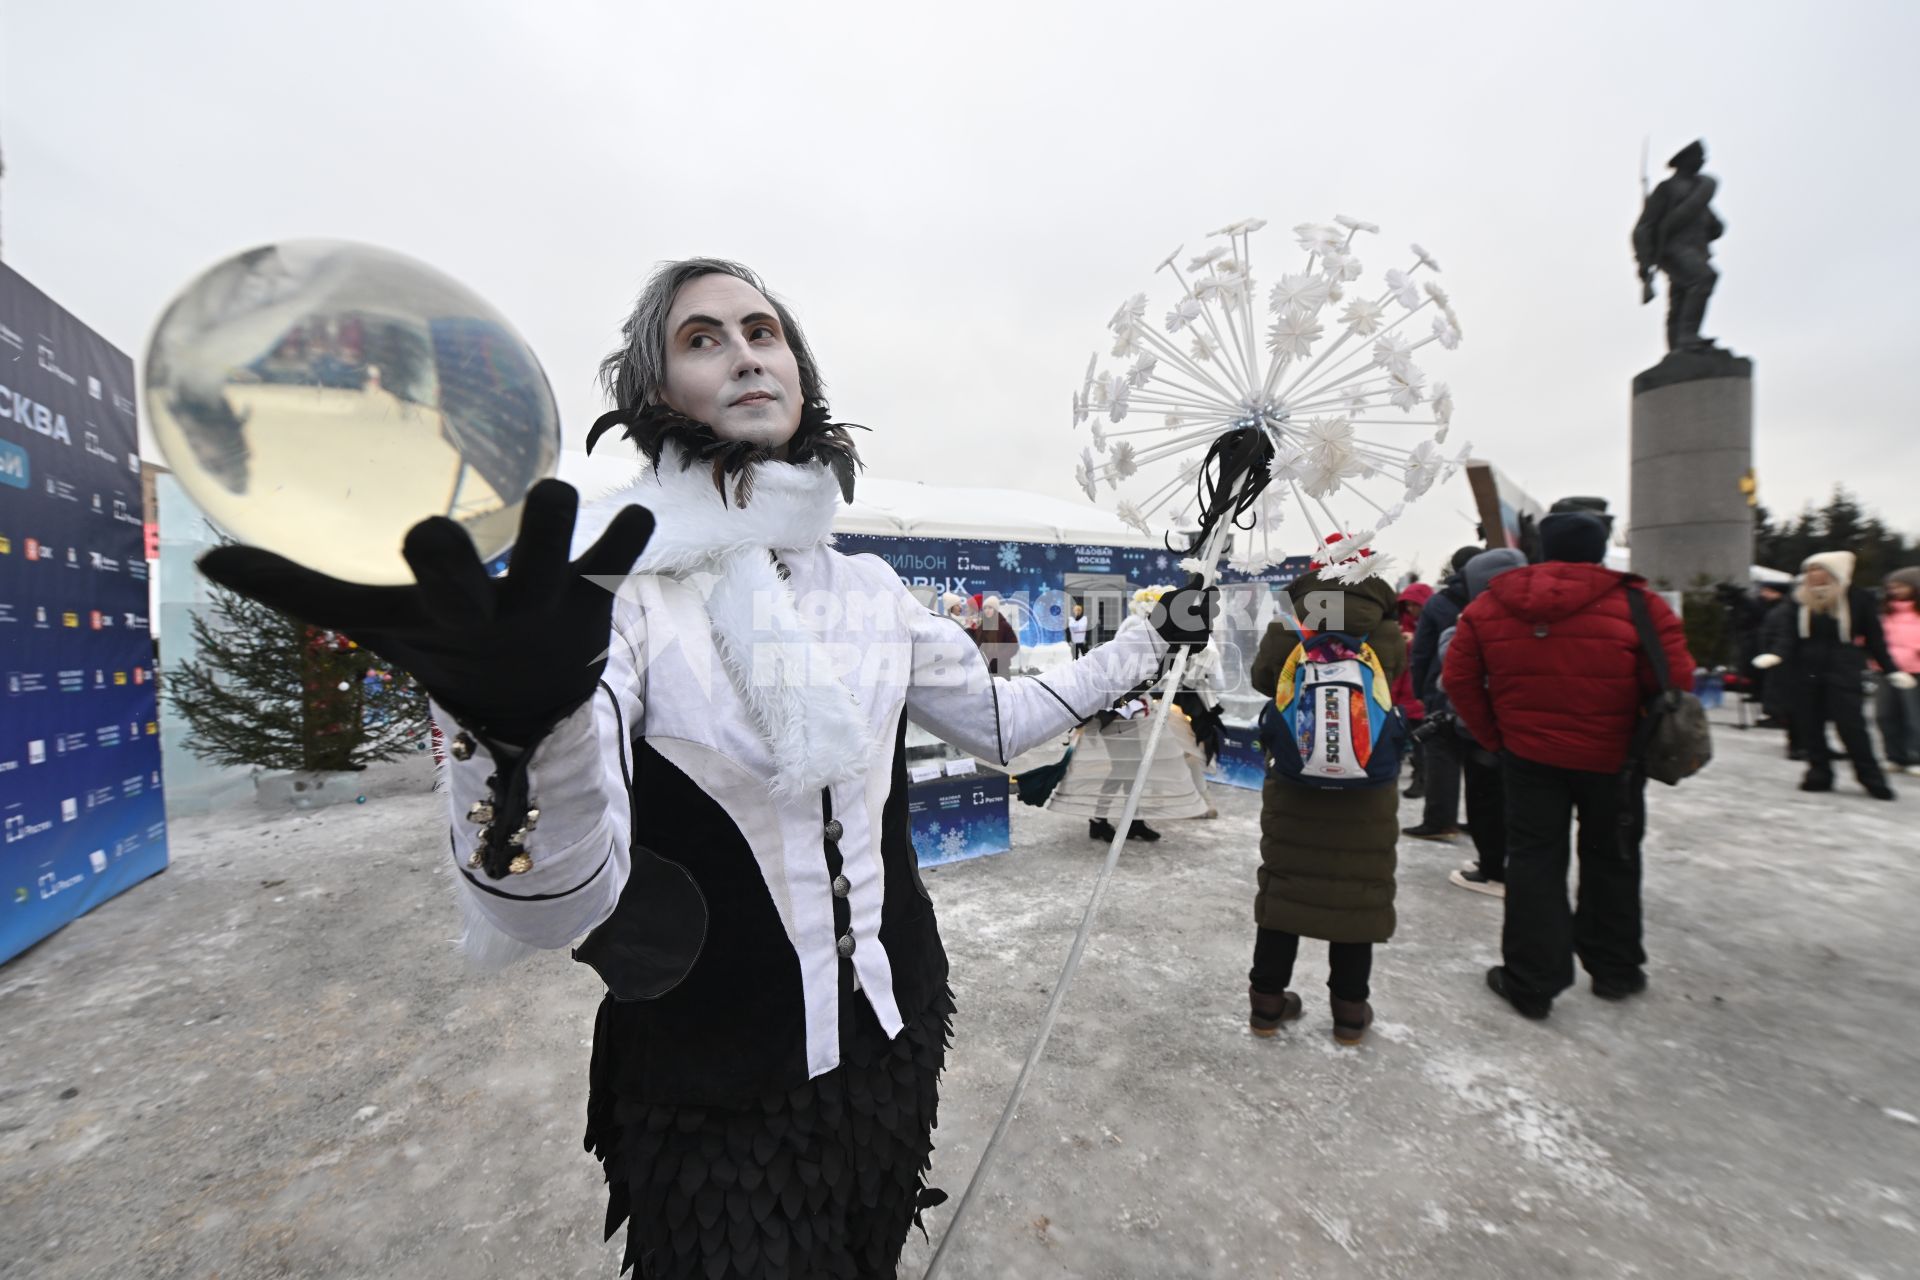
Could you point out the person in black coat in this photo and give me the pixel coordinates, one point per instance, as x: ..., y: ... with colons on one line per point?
x: 1440, y: 760
x: 1818, y: 644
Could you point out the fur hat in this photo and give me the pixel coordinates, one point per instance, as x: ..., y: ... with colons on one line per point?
x: 1838, y: 563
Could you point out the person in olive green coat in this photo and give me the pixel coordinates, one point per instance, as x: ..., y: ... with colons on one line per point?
x: 1326, y: 857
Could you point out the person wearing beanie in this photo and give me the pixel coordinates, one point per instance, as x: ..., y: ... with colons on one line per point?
x: 1898, y: 709
x: 1547, y: 671
x: 1406, y: 609
x: 1820, y: 640
x: 1573, y: 537
x: 1439, y: 754
x: 1479, y: 768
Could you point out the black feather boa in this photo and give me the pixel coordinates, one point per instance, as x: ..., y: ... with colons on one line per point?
x: 652, y: 427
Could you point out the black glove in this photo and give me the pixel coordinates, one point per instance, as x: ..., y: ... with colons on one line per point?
x: 508, y: 657
x: 1184, y: 618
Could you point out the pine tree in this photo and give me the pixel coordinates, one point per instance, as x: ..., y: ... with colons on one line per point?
x: 270, y: 692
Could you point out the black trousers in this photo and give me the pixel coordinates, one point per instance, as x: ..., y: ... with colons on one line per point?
x: 1275, y: 950
x: 1541, y: 935
x: 1442, y: 756
x: 1820, y: 702
x: 1486, y: 811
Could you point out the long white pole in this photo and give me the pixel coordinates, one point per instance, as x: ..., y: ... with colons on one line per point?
x: 1210, y: 555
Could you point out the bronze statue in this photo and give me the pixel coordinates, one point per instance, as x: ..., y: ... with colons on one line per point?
x: 1673, y: 235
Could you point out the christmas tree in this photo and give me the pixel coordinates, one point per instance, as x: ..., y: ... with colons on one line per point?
x: 272, y: 692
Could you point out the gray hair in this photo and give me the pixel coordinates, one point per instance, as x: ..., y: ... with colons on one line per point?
x: 634, y: 373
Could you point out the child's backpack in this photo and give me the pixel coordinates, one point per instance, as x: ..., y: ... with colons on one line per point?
x: 1332, y: 723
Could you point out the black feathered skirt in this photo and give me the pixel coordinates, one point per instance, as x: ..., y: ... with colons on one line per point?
x: 821, y: 1182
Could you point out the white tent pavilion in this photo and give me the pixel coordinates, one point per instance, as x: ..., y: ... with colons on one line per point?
x: 911, y: 509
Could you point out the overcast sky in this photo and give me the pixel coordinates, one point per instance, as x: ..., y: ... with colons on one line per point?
x: 954, y: 199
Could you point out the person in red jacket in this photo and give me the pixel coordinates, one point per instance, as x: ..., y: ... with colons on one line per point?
x: 1546, y: 669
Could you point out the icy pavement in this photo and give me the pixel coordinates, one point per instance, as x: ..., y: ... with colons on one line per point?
x: 269, y: 1062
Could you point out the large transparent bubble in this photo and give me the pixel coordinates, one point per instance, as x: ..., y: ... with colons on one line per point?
x: 319, y: 398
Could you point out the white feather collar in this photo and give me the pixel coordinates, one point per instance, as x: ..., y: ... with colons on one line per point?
x: 812, y: 727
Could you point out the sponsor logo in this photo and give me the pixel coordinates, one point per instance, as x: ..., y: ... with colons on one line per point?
x: 121, y: 513
x: 15, y: 467
x: 37, y: 751
x: 96, y: 504
x: 11, y: 338
x: 139, y: 675
x: 69, y: 619
x: 69, y: 809
x: 33, y: 548
x: 125, y: 406
x: 93, y: 617
x: 33, y: 415
x: 99, y: 796
x: 6, y: 613
x: 6, y: 546
x: 73, y: 680
x: 133, y: 786
x: 119, y: 677
x: 8, y: 766
x: 40, y: 617
x: 18, y: 828
x: 51, y: 885
x: 106, y: 564
x: 24, y: 682
x: 52, y: 366
x: 91, y: 443
x: 93, y: 386
x: 137, y: 570
x: 70, y: 742
x: 133, y: 463
x: 107, y: 735
x: 138, y: 621
x: 62, y: 490
x: 73, y: 556
x: 97, y: 860
x: 99, y: 678
x: 152, y: 728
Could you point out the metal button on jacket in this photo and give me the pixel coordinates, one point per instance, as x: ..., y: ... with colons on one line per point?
x: 845, y: 945
x: 833, y: 829
x: 841, y: 886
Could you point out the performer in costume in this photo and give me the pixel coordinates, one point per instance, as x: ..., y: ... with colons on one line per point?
x: 704, y: 775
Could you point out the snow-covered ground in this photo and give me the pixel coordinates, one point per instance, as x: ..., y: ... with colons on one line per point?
x: 269, y: 1062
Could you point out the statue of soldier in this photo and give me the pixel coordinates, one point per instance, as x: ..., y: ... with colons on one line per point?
x: 1673, y: 235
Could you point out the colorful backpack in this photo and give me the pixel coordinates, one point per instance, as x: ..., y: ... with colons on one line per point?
x: 1332, y: 723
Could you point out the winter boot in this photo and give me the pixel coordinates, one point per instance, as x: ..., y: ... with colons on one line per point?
x: 1424, y: 832
x: 1478, y: 881
x: 1099, y: 829
x: 1141, y: 831
x: 1527, y: 1006
x: 1351, y: 1018
x: 1620, y: 986
x: 1817, y: 781
x: 1269, y: 1011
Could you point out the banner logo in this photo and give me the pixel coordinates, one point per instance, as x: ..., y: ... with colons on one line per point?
x: 15, y: 468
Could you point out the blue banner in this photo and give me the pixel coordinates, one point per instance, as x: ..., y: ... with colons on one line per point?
x: 958, y: 817
x: 1240, y: 763
x: 1032, y: 575
x: 81, y: 812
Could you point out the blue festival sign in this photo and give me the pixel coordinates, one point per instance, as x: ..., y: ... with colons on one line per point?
x: 82, y: 816
x: 959, y: 816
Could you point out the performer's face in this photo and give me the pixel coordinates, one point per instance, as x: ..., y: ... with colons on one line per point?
x: 728, y: 362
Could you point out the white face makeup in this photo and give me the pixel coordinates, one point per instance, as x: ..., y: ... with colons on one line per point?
x: 728, y: 362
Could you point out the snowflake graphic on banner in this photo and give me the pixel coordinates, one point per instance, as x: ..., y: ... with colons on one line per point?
x: 953, y: 843
x: 1009, y: 556
x: 1331, y: 384
x: 1053, y: 552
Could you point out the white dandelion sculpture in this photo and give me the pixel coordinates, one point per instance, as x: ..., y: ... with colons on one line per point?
x: 1244, y: 408
x: 1230, y: 421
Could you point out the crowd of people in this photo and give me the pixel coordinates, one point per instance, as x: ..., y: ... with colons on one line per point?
x: 1524, y: 685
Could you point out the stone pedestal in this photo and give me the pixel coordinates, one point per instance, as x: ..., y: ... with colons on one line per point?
x: 1692, y: 446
